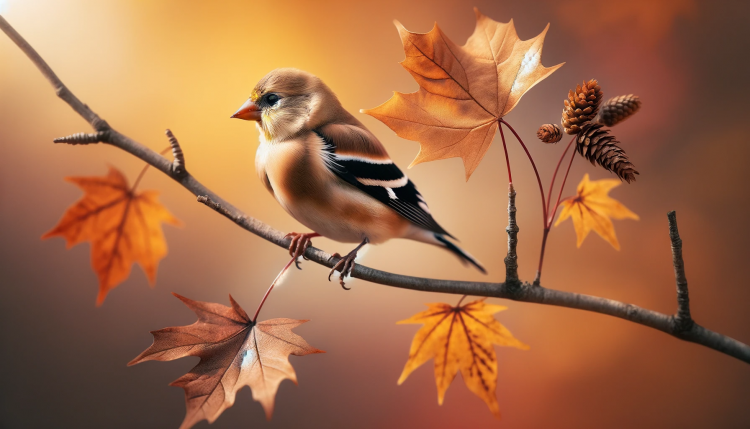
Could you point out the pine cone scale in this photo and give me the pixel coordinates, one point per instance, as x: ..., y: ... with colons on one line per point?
x: 617, y: 109
x: 599, y: 147
x: 581, y: 106
x: 549, y: 133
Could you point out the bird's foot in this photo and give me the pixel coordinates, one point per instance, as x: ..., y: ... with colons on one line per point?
x: 300, y: 243
x: 346, y: 264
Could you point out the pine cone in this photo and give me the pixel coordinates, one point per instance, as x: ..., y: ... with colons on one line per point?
x: 598, y: 146
x: 617, y: 109
x: 549, y: 133
x: 581, y: 106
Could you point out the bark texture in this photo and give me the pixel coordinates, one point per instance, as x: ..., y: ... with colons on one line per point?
x: 683, y: 320
x: 511, y: 260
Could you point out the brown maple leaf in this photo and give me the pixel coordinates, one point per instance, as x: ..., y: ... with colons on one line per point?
x: 234, y: 352
x: 592, y: 208
x: 463, y: 90
x: 123, y: 227
x: 460, y: 338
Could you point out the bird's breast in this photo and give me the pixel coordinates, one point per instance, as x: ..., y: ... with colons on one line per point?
x: 299, y: 179
x: 291, y: 169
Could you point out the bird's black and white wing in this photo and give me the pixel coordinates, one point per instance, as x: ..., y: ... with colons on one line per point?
x: 358, y: 158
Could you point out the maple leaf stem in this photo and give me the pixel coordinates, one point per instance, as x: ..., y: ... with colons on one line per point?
x: 541, y: 295
x: 538, y: 278
x: 539, y: 181
x: 507, y: 159
x: 548, y: 225
x: 138, y: 179
x: 143, y: 171
x: 270, y: 288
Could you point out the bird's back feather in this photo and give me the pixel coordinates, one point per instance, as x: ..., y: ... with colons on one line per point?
x: 359, y: 159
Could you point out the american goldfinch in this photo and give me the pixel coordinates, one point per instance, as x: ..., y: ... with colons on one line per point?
x: 329, y: 172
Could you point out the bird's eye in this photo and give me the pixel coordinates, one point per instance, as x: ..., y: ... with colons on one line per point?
x: 272, y: 99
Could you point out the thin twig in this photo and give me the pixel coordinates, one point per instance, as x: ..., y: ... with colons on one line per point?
x: 60, y: 89
x: 683, y: 321
x: 178, y: 161
x: 83, y: 138
x: 524, y: 292
x: 511, y: 260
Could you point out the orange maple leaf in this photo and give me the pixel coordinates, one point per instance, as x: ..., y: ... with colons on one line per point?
x: 234, y: 352
x: 123, y: 227
x: 460, y: 338
x: 592, y: 208
x: 463, y: 90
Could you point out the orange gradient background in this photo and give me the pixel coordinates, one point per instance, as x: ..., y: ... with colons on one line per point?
x: 187, y: 65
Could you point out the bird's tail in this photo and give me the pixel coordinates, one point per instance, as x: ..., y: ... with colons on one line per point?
x: 464, y: 256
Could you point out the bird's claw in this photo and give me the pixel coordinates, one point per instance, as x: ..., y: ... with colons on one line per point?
x: 345, y: 266
x: 300, y: 242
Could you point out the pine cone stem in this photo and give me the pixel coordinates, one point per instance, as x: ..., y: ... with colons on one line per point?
x: 548, y: 225
x: 554, y: 177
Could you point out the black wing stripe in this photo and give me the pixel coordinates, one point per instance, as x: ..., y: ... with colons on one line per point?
x: 366, y: 170
x: 407, y: 198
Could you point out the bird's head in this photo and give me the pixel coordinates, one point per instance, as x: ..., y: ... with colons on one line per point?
x: 287, y: 102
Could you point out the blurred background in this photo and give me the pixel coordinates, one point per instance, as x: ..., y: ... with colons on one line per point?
x: 188, y: 65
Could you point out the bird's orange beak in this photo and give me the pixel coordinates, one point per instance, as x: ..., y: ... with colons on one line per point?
x: 249, y: 111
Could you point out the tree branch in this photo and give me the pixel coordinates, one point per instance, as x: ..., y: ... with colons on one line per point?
x: 518, y: 291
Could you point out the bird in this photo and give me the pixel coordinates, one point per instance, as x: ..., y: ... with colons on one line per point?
x: 330, y: 173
